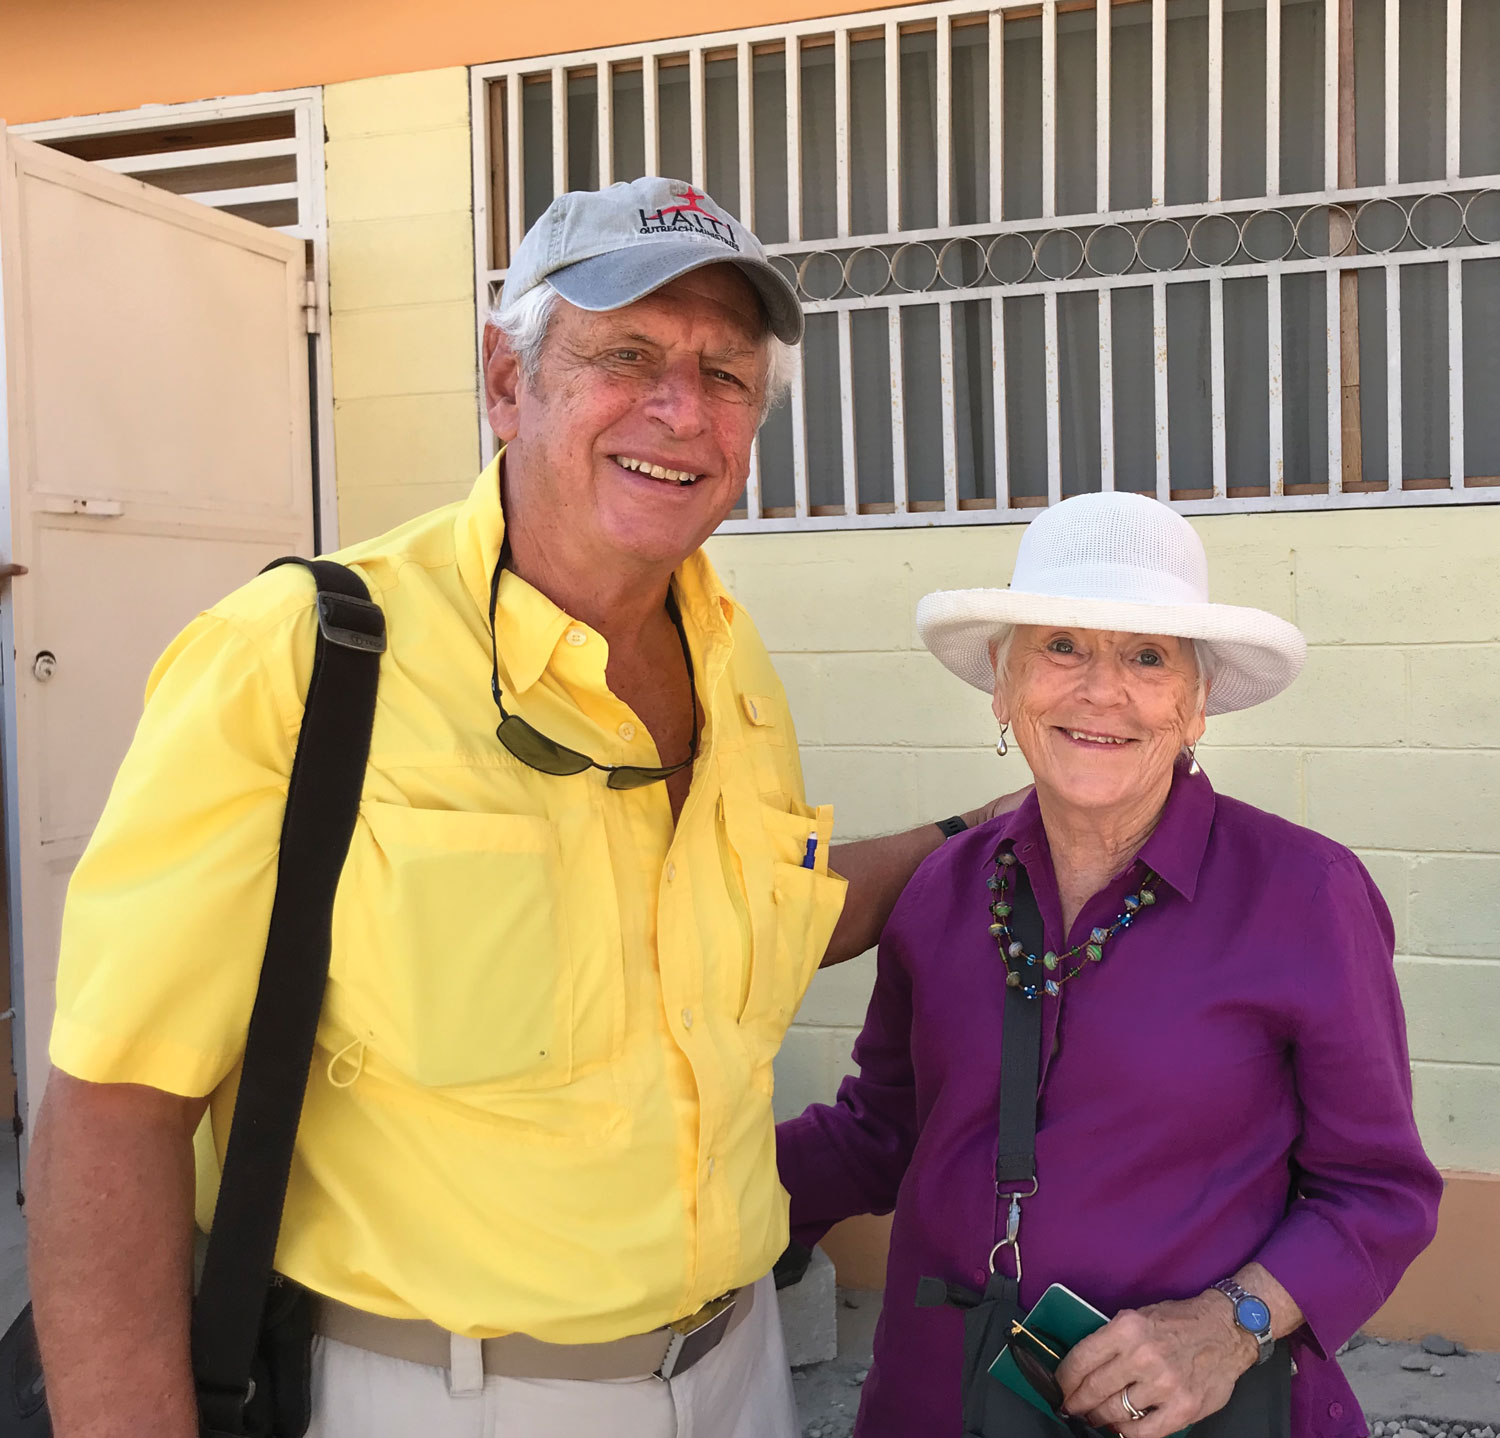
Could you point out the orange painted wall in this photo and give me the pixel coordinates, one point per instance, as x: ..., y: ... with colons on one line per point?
x: 76, y: 57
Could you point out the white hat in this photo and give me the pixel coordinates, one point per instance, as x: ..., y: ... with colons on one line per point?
x: 1124, y: 562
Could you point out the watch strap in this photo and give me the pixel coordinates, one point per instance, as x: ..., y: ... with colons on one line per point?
x: 949, y: 827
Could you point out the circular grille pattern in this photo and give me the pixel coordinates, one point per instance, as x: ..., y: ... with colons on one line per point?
x: 1215, y: 240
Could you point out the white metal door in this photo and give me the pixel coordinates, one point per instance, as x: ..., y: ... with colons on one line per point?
x: 157, y: 453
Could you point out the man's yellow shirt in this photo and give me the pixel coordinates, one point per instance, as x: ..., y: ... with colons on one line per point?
x: 541, y: 1096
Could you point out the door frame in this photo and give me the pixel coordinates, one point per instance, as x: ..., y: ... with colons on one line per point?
x: 306, y: 105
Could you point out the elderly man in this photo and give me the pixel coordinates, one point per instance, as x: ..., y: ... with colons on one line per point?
x: 565, y: 950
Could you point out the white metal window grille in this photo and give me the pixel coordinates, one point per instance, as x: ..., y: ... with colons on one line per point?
x: 1238, y: 254
x: 256, y: 156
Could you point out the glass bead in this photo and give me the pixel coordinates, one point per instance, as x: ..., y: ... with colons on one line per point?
x: 1050, y: 959
x: 1095, y: 952
x: 1007, y: 859
x: 1029, y: 991
x: 1016, y: 950
x: 1147, y: 897
x: 1098, y: 936
x: 1132, y: 903
x: 1012, y: 981
x: 996, y: 930
x: 992, y: 883
x: 1053, y: 987
x: 1000, y: 911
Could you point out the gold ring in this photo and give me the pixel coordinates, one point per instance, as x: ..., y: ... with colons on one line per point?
x: 1131, y: 1411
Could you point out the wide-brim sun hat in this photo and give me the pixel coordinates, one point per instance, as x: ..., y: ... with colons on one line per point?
x: 1121, y: 562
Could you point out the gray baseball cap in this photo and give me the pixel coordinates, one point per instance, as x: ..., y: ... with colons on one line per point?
x: 604, y: 249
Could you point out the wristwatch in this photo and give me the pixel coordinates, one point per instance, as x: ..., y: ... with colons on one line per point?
x: 1251, y: 1314
x: 950, y: 827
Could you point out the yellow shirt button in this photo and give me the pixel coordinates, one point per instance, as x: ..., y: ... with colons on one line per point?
x: 577, y: 637
x: 687, y: 1018
x: 671, y: 872
x: 626, y: 731
x: 710, y: 1168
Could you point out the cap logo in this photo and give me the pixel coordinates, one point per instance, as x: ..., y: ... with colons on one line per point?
x: 689, y: 217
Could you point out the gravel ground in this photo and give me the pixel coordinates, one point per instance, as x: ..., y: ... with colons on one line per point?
x: 1406, y: 1391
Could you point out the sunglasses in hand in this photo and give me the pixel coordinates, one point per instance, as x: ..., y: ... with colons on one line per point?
x: 1037, y: 1357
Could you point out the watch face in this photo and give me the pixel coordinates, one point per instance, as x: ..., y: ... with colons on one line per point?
x: 1252, y: 1315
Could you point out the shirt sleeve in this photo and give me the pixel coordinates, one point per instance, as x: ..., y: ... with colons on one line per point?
x: 165, y: 922
x: 849, y: 1157
x: 1366, y: 1195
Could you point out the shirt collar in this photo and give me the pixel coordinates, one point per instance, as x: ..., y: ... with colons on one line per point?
x: 528, y: 625
x: 1176, y: 847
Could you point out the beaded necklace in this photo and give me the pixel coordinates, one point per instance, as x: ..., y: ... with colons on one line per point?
x: 1013, y: 952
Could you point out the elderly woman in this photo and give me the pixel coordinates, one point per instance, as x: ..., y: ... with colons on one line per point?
x: 1224, y: 1152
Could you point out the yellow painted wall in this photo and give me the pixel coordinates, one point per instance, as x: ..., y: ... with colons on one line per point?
x: 401, y: 295
x: 1389, y: 742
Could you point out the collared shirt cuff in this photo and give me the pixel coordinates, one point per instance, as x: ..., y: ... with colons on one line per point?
x: 1329, y: 1280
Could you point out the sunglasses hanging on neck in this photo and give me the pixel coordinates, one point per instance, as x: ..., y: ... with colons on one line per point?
x: 547, y: 756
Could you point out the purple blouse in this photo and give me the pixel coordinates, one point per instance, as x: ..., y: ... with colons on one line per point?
x: 1230, y: 1083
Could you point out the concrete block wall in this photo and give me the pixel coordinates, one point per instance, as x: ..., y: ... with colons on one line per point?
x: 1389, y: 742
x: 401, y: 292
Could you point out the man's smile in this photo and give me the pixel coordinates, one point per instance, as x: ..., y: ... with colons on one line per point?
x: 655, y: 471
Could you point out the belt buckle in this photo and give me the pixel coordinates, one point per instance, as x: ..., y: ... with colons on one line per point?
x: 690, y: 1338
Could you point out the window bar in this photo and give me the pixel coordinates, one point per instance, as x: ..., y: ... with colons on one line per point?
x: 752, y: 482
x: 1217, y: 398
x: 1454, y: 90
x: 559, y: 130
x: 950, y: 409
x: 1273, y: 98
x: 695, y: 118
x: 1215, y: 99
x: 793, y: 138
x: 1455, y: 372
x: 514, y: 201
x: 1106, y: 390
x: 945, y: 119
x: 1394, y: 459
x: 1054, y: 401
x: 1049, y: 107
x: 997, y: 137
x: 650, y: 114
x: 799, y: 435
x: 1276, y: 439
x: 606, y: 112
x: 1333, y: 312
x: 1163, y: 434
x: 898, y: 410
x: 893, y: 131
x: 1103, y: 36
x: 1330, y: 94
x: 1158, y: 102
x: 997, y: 393
x: 841, y: 133
x: 1393, y: 93
x: 846, y: 411
x: 745, y: 103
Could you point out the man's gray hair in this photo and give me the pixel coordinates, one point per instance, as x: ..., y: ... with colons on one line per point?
x: 525, y: 322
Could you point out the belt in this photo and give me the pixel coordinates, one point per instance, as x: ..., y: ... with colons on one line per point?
x: 662, y: 1353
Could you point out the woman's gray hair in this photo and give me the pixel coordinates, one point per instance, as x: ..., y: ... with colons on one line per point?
x: 525, y: 321
x: 1203, y: 658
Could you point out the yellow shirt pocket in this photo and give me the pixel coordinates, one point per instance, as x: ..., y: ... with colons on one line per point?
x: 450, y: 959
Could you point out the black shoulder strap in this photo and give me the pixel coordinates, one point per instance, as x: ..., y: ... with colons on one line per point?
x: 321, y: 807
x: 1020, y: 1053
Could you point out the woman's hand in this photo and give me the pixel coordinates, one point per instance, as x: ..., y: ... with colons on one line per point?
x: 1179, y: 1361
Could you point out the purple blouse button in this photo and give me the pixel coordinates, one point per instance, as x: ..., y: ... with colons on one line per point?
x: 1335, y: 1410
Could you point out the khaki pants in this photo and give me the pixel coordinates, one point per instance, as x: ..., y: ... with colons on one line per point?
x: 742, y: 1389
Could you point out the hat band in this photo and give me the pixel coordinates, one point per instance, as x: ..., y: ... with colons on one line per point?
x: 1120, y: 583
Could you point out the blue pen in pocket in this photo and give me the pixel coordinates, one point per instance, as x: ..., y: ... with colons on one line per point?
x: 811, y: 857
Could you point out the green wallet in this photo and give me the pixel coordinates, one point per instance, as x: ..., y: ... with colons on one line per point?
x: 1058, y: 1321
